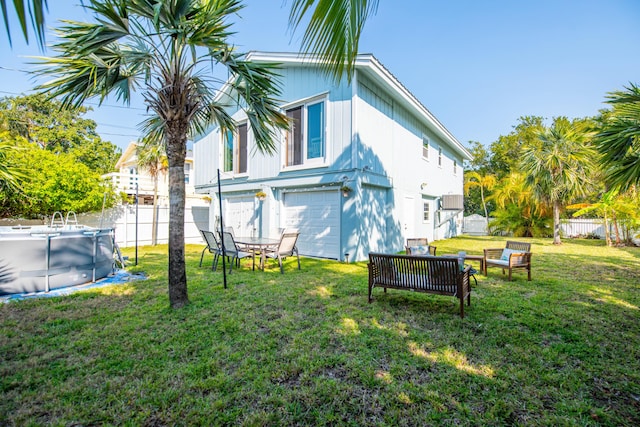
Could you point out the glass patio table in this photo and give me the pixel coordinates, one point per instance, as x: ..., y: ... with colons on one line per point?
x: 257, y: 245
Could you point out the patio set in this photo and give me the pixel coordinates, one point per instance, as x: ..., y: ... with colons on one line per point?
x: 237, y: 248
x: 515, y: 255
x: 421, y: 270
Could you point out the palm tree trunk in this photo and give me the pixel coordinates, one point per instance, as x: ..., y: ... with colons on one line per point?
x: 616, y: 229
x: 484, y: 205
x: 176, y: 153
x: 607, y: 235
x: 154, y: 220
x: 556, y: 223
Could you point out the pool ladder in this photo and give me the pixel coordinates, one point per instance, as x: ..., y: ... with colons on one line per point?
x: 71, y: 219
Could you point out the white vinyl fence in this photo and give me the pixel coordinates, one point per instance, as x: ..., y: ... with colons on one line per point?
x: 584, y: 228
x: 123, y: 220
x: 574, y: 227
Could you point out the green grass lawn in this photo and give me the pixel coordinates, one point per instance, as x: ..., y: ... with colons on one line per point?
x: 305, y: 348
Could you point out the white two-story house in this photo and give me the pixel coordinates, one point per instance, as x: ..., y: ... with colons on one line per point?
x: 132, y: 179
x: 402, y: 166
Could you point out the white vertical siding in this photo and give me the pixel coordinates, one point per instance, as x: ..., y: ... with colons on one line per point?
x: 205, y: 155
x: 301, y: 83
x: 391, y: 139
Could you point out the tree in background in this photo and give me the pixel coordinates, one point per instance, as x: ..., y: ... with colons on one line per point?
x: 517, y: 212
x: 475, y: 179
x: 506, y: 152
x: 618, y: 140
x: 56, y: 182
x: 61, y: 153
x: 152, y: 158
x: 47, y: 124
x: 559, y: 166
x: 614, y: 207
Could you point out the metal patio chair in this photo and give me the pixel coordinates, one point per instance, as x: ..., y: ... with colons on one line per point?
x: 286, y: 247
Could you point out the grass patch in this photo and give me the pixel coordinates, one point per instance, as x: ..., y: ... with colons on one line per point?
x: 305, y: 348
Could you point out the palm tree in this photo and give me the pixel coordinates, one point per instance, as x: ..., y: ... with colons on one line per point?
x: 163, y: 47
x: 475, y: 179
x: 166, y: 48
x: 619, y: 139
x: 558, y: 167
x: 517, y: 212
x: 152, y: 158
x: 611, y: 205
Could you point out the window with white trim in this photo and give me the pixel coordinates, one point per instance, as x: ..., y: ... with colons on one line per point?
x: 425, y: 147
x: 455, y: 167
x: 305, y: 140
x: 187, y: 173
x: 426, y: 211
x: 440, y: 156
x: 235, y: 150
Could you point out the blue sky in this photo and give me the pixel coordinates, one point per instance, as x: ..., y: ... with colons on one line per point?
x: 476, y: 65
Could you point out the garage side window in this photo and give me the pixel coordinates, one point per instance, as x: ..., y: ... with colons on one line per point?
x: 235, y: 148
x: 305, y: 140
x: 228, y: 151
x: 425, y: 211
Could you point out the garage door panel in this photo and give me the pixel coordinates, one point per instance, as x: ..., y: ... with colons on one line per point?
x: 317, y: 216
x: 240, y: 213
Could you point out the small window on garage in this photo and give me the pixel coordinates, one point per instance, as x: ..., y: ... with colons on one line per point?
x: 426, y: 211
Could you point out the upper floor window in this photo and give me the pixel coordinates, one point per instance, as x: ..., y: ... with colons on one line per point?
x: 306, y: 137
x: 455, y: 167
x: 425, y: 147
x: 440, y: 156
x: 234, y: 150
x: 187, y: 173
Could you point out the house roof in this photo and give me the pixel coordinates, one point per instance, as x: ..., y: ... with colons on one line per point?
x: 130, y: 154
x: 126, y: 155
x: 372, y: 68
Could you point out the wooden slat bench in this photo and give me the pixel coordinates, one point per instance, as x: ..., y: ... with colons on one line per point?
x: 430, y: 274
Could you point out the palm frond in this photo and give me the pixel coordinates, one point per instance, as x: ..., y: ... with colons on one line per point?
x: 36, y: 10
x: 333, y: 31
x: 255, y: 85
x: 619, y: 138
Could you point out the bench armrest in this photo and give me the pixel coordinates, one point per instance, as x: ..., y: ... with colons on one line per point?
x: 493, y: 253
x: 522, y: 258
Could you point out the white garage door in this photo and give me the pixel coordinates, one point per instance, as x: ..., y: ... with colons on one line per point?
x: 240, y: 213
x: 316, y: 215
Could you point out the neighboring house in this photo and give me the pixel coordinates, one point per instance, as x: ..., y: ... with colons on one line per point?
x: 130, y: 174
x: 404, y: 168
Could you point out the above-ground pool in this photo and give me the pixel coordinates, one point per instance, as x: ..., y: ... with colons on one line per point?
x: 35, y: 259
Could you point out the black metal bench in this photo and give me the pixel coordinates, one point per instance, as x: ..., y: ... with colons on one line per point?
x: 430, y: 274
